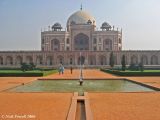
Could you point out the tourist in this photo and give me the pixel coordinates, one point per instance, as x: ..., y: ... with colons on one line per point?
x: 62, y: 69
x: 59, y: 70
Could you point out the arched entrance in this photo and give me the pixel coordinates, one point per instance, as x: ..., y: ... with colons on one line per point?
x: 1, y: 60
x: 144, y: 60
x: 81, y: 60
x: 19, y: 60
x: 49, y: 61
x: 39, y: 60
x: 81, y: 42
x: 9, y: 60
x: 92, y: 60
x: 60, y: 59
x: 134, y: 60
x: 154, y: 60
x: 29, y: 59
x: 107, y: 45
x: 55, y: 45
x: 102, y: 60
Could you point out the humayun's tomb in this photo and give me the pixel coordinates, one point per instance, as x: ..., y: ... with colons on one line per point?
x: 60, y: 46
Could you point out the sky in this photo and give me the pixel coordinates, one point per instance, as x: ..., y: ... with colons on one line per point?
x: 21, y: 21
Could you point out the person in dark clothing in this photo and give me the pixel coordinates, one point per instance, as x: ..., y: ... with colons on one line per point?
x: 81, y: 82
x: 71, y: 69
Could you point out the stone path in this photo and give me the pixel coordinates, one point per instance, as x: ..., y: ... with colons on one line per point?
x: 9, y: 82
x: 42, y: 106
x: 125, y: 106
x: 87, y: 74
x: 152, y: 81
x: 97, y: 74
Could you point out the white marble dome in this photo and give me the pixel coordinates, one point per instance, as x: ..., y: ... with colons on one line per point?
x: 81, y: 17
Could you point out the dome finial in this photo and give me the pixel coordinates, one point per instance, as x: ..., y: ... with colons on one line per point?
x: 81, y: 7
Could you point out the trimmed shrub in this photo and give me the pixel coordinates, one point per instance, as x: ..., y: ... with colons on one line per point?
x: 141, y: 66
x: 21, y: 74
x: 125, y: 73
x: 15, y: 73
x: 25, y: 66
x: 133, y: 67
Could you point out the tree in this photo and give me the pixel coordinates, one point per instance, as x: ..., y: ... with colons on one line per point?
x: 111, y: 62
x: 133, y: 67
x: 141, y: 66
x: 123, y: 62
x: 24, y: 67
x: 32, y: 66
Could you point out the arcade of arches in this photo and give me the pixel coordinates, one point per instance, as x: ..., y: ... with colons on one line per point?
x: 74, y: 58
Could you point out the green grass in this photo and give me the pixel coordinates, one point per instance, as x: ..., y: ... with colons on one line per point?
x: 141, y: 71
x: 133, y: 73
x: 45, y: 73
x: 18, y: 73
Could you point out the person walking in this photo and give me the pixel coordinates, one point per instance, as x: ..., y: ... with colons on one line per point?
x: 62, y: 69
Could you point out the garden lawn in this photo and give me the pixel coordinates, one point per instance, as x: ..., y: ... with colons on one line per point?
x: 20, y: 73
x: 133, y: 73
x: 142, y: 71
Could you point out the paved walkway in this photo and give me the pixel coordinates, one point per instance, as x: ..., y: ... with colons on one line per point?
x: 87, y: 74
x: 152, y: 81
x: 125, y: 106
x: 42, y: 106
x: 9, y: 82
x: 97, y: 74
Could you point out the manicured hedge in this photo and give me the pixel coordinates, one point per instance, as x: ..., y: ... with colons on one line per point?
x: 1, y: 68
x: 18, y: 73
x: 21, y: 74
x: 127, y: 73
